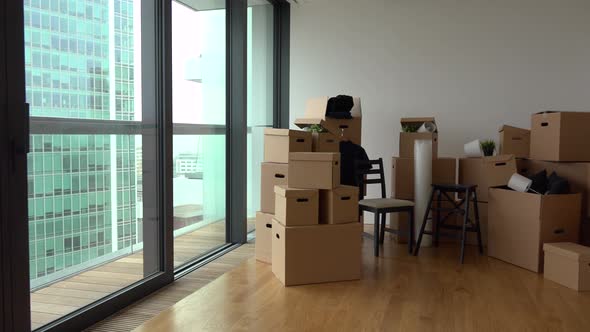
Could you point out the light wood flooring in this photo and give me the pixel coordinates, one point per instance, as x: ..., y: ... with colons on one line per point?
x: 398, y: 292
x: 60, y: 298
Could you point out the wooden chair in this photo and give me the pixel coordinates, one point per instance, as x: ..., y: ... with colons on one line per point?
x: 380, y: 207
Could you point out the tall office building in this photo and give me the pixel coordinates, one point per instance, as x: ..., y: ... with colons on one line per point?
x: 82, y: 188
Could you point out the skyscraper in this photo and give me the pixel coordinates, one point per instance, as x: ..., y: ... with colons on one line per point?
x: 82, y: 188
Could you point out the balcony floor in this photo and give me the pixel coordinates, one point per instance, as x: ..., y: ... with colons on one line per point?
x: 61, y: 298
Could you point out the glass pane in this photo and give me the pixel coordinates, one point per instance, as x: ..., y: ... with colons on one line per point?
x: 260, y: 96
x: 198, y: 84
x: 85, y: 189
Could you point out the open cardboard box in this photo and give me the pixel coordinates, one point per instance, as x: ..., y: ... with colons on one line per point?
x: 516, y: 141
x: 343, y: 129
x: 406, y: 140
x: 560, y: 136
x: 520, y: 223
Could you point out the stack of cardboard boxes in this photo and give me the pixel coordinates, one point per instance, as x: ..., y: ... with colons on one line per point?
x: 520, y: 223
x: 308, y: 228
x: 402, y: 179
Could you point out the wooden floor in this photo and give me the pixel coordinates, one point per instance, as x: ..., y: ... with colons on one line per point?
x: 63, y: 297
x: 432, y: 292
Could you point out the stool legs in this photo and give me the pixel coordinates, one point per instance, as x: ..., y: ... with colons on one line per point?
x: 424, y: 221
x: 376, y: 235
x: 465, y: 221
x: 411, y: 230
x: 436, y: 220
x: 477, y: 224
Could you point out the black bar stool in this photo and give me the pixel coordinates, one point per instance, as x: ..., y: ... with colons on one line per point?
x: 460, y: 207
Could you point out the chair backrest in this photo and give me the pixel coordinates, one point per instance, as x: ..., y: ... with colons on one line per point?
x: 363, y: 173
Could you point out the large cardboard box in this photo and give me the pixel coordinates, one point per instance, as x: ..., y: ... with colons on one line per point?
x: 407, y: 139
x: 314, y: 170
x: 296, y: 207
x: 273, y: 174
x: 577, y: 174
x: 520, y: 223
x: 339, y: 205
x: 279, y: 142
x: 560, y: 136
x: 263, y: 244
x: 568, y: 264
x: 486, y: 172
x: 325, y: 142
x: 347, y: 129
x: 444, y: 171
x: 516, y: 141
x: 316, y: 254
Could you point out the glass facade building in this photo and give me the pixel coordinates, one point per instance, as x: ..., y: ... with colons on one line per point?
x: 79, y: 58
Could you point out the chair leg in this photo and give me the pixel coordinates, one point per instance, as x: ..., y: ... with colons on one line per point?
x: 383, y: 220
x: 376, y: 235
x: 411, y: 231
x: 424, y: 221
x: 477, y: 224
x: 464, y: 231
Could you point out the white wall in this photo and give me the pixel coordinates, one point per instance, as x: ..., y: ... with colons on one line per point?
x: 473, y: 64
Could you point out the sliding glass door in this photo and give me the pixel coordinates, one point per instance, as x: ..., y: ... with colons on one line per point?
x: 92, y: 144
x: 199, y: 94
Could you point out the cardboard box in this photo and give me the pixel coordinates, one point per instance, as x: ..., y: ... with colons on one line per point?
x: 263, y: 244
x: 520, y: 223
x: 316, y: 254
x: 406, y: 140
x: 568, y: 264
x: 279, y: 142
x: 296, y: 207
x: 402, y: 179
x: 486, y: 172
x: 325, y: 142
x: 314, y: 170
x: 560, y: 136
x: 273, y: 174
x: 339, y: 205
x: 516, y: 141
x: 577, y: 174
x: 347, y: 129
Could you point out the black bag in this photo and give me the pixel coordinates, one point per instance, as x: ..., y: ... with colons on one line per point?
x: 339, y: 107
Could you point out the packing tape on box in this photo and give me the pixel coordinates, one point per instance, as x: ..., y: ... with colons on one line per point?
x: 427, y: 127
x: 519, y: 183
x: 422, y: 185
x: 473, y: 149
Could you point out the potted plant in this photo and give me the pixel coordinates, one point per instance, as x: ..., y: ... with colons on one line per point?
x: 410, y: 127
x: 316, y: 128
x: 488, y: 147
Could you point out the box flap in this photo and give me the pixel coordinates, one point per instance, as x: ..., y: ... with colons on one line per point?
x: 571, y: 250
x: 327, y: 125
x: 498, y: 158
x: 285, y: 191
x: 356, y: 111
x: 284, y: 132
x: 507, y: 127
x: 417, y: 120
x: 315, y: 156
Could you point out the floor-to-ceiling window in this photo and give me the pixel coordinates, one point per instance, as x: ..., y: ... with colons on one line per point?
x: 198, y: 89
x: 260, y: 94
x: 86, y: 160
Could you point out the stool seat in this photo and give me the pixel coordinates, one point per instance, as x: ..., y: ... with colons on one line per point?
x: 458, y: 188
x: 381, y: 203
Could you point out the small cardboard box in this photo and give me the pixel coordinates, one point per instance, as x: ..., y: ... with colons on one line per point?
x: 296, y: 207
x: 279, y: 142
x: 402, y: 180
x: 316, y: 254
x: 577, y: 174
x: 325, y: 142
x: 273, y: 174
x: 339, y: 205
x: 314, y: 170
x: 347, y: 129
x: 263, y: 244
x: 560, y: 136
x: 516, y: 141
x: 520, y: 223
x: 486, y: 172
x: 406, y: 140
x: 568, y: 264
